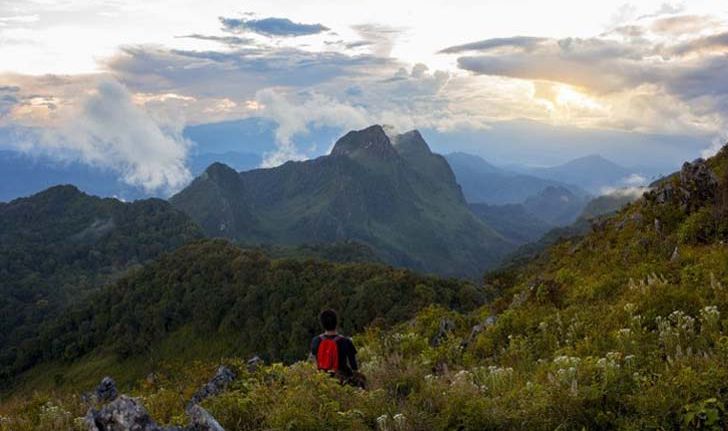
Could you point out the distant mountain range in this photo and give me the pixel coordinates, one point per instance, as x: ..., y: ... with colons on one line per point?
x: 24, y: 175
x: 244, y: 144
x: 556, y: 205
x: 393, y: 195
x: 483, y: 182
x: 593, y: 173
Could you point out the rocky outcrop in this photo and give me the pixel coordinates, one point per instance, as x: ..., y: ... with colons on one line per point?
x: 222, y: 378
x: 697, y: 186
x: 476, y: 330
x: 254, y: 363
x: 446, y: 327
x: 123, y: 413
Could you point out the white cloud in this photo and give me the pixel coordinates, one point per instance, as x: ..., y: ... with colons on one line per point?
x: 108, y: 130
x: 716, y: 144
x: 633, y: 193
x: 295, y: 117
x: 634, y: 180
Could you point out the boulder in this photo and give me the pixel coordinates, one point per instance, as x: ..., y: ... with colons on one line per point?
x: 123, y: 413
x: 254, y: 363
x: 106, y: 390
x: 216, y: 385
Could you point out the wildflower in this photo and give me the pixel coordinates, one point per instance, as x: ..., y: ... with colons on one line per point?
x: 630, y: 308
x: 382, y: 422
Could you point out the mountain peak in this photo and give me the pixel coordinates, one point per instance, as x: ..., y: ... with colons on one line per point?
x: 368, y: 143
x: 590, y: 160
x: 218, y: 169
x: 411, y: 142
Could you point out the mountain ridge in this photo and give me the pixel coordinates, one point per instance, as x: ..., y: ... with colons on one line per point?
x: 400, y: 199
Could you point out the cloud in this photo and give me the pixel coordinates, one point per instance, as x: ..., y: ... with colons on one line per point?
x: 108, y: 130
x: 716, y: 145
x: 714, y: 43
x: 380, y: 38
x: 664, y: 9
x: 271, y: 27
x: 239, y: 73
x: 633, y: 193
x: 227, y: 40
x: 8, y: 99
x: 683, y: 24
x: 294, y: 114
x: 634, y: 180
x: 671, y: 66
x: 525, y: 43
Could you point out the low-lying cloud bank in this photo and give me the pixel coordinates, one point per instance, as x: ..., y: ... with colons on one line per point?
x: 106, y: 129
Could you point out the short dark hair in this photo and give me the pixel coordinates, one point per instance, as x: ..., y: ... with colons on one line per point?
x: 329, y: 320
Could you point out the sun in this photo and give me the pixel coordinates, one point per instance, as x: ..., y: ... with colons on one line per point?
x: 568, y: 96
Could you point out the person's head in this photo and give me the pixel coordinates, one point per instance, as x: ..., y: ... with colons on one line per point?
x: 329, y: 320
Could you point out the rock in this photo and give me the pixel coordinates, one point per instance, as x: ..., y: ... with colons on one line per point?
x: 446, y: 326
x: 254, y: 363
x: 218, y: 384
x: 665, y: 194
x: 675, y: 255
x: 202, y: 420
x: 697, y: 187
x: 106, y: 390
x: 521, y: 297
x: 122, y: 414
x: 477, y: 329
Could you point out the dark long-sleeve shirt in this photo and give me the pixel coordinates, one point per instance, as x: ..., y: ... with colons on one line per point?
x: 347, y: 352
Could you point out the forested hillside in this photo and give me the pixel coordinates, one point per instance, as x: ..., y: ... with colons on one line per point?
x: 212, y: 290
x: 60, y: 245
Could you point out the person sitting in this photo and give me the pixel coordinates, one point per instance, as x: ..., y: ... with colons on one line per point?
x: 335, y: 353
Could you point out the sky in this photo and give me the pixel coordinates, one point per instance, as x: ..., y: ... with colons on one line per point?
x: 113, y: 82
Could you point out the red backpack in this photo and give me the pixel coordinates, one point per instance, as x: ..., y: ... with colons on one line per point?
x: 327, y: 356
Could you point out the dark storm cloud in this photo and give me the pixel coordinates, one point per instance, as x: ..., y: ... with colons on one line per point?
x: 282, y: 27
x: 522, y: 42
